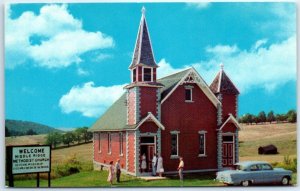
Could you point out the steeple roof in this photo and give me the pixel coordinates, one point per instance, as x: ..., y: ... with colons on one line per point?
x: 223, y: 84
x: 143, y: 53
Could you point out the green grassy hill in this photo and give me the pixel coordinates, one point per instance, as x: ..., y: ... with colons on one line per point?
x: 21, y: 127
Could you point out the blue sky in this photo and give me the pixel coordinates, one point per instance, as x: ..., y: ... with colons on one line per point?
x: 66, y: 63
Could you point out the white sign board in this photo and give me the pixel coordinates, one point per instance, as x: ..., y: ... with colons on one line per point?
x: 30, y: 159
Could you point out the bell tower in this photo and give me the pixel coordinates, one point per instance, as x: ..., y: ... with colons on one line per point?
x: 143, y: 93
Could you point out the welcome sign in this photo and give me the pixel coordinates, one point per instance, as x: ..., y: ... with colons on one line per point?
x: 31, y: 159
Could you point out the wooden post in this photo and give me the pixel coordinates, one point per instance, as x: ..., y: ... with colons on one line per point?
x: 9, y: 166
x: 49, y: 180
x: 38, y: 180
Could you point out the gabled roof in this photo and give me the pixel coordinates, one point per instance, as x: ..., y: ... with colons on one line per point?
x: 223, y: 84
x: 115, y: 118
x: 143, y: 53
x: 151, y: 117
x: 232, y: 119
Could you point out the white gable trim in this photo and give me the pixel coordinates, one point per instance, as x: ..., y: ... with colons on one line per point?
x: 202, y: 85
x: 150, y: 116
x: 232, y: 119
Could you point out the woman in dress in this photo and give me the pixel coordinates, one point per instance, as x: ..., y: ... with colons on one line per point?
x: 160, y: 168
x: 111, y: 173
x: 144, y: 164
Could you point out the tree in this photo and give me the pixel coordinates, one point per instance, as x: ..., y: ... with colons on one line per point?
x: 291, y: 116
x: 271, y: 117
x: 262, y: 117
x: 248, y: 118
x: 86, y: 134
x: 30, y: 132
x: 7, y: 133
x: 281, y: 118
x: 255, y: 119
x: 53, y: 139
x: 79, y: 134
x: 68, y: 138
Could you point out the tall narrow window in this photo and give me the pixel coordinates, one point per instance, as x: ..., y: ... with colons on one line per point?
x: 147, y: 74
x: 109, y: 142
x: 99, y: 142
x: 202, y: 144
x: 121, y: 143
x: 174, y: 143
x: 188, y: 94
x: 134, y: 75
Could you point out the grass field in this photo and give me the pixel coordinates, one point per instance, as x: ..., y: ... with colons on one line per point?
x: 251, y: 137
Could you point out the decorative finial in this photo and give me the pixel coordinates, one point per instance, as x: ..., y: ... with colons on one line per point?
x: 222, y: 66
x: 143, y: 10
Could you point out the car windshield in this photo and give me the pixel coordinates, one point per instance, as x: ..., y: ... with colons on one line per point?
x: 239, y: 167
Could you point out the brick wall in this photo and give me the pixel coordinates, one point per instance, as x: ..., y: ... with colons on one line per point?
x: 148, y: 99
x: 229, y: 127
x: 104, y: 157
x: 148, y: 127
x: 131, y: 152
x: 228, y: 105
x: 131, y: 106
x: 189, y: 118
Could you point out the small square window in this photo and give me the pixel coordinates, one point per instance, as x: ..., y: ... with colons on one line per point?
x: 147, y: 74
x: 188, y: 95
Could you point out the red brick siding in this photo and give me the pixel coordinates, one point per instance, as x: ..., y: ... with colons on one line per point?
x: 229, y: 127
x: 148, y: 100
x: 228, y: 106
x: 148, y: 127
x: 189, y: 118
x: 104, y: 157
x: 131, y: 151
x: 131, y: 106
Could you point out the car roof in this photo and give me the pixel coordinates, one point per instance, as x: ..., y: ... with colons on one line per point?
x: 248, y: 163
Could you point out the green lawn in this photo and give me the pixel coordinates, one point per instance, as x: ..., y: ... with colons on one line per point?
x: 98, y: 179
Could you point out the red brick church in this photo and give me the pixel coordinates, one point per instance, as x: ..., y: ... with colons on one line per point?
x: 177, y: 115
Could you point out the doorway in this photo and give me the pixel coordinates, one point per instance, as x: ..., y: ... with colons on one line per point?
x: 147, y: 147
x: 228, y: 151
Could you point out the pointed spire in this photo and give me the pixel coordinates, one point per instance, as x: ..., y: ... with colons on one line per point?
x: 143, y: 53
x: 223, y: 84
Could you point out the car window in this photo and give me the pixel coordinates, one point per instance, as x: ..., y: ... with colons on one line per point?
x: 266, y: 167
x: 254, y: 168
x: 240, y: 167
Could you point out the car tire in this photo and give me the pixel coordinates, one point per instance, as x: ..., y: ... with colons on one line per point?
x: 285, y: 181
x: 245, y: 183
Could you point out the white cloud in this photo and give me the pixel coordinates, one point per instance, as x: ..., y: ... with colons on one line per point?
x: 82, y: 72
x: 165, y: 68
x: 53, y: 38
x: 222, y: 49
x: 198, y: 5
x: 263, y: 67
x: 89, y: 100
x: 260, y: 43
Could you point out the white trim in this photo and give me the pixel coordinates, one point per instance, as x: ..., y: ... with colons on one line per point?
x: 121, y: 144
x: 202, y: 131
x: 147, y: 134
x: 191, y: 90
x: 151, y: 74
x: 220, y: 78
x: 204, y: 142
x: 202, y: 84
x: 177, y: 144
x: 150, y: 116
x: 231, y: 118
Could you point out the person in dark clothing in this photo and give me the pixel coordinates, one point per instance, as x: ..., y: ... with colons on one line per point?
x: 118, y: 170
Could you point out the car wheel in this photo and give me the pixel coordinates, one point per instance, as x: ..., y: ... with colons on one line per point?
x: 285, y: 181
x: 245, y: 183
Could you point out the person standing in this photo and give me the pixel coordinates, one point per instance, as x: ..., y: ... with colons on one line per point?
x: 160, y: 168
x: 110, y: 173
x: 154, y: 164
x: 118, y: 170
x: 180, y: 169
x: 144, y: 163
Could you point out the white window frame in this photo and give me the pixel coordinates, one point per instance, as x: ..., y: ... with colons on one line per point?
x: 109, y: 143
x: 99, y: 143
x: 191, y: 89
x: 204, y: 135
x: 121, y: 143
x: 177, y: 146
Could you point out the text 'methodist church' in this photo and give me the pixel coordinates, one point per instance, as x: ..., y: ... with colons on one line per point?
x: 177, y: 115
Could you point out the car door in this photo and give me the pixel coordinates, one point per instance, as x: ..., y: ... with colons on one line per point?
x: 255, y: 174
x: 269, y: 176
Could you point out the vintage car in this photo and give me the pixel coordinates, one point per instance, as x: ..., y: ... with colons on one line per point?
x: 254, y: 172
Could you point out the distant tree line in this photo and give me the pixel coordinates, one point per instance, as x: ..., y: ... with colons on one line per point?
x: 9, y: 133
x: 77, y: 136
x: 262, y: 117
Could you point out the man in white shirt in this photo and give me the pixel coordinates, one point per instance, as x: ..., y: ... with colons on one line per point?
x: 154, y: 164
x: 180, y: 169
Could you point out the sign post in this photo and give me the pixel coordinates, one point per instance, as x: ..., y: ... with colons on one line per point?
x: 28, y: 159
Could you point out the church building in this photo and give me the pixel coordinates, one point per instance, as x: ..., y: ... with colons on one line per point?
x: 177, y: 115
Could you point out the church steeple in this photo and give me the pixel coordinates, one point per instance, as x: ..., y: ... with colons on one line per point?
x: 143, y: 65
